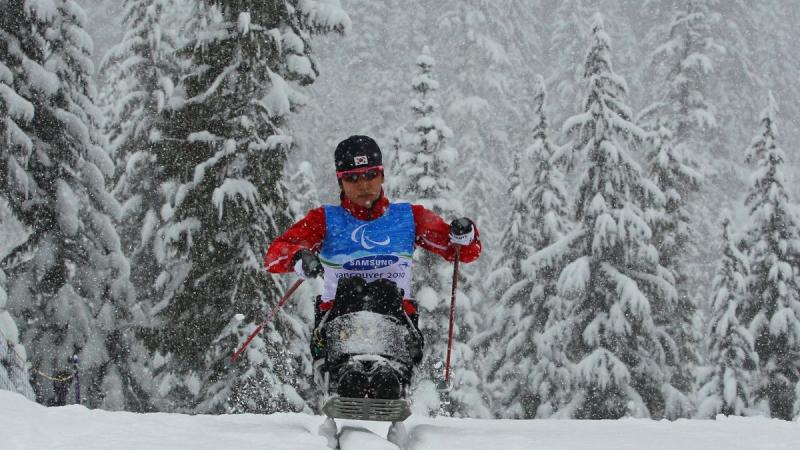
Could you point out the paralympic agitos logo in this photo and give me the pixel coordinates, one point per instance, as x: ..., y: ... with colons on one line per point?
x: 359, y: 236
x: 370, y: 262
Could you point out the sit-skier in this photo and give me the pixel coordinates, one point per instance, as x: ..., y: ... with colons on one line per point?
x: 365, y: 245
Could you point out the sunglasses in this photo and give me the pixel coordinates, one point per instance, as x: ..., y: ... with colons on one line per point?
x: 368, y: 175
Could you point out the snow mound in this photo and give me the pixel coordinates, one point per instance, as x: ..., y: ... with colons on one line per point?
x: 27, y: 425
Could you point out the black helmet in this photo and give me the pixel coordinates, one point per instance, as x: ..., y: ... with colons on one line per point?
x: 357, y: 152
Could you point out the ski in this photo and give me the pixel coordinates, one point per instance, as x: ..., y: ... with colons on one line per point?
x: 350, y: 436
x: 330, y: 431
x: 397, y: 434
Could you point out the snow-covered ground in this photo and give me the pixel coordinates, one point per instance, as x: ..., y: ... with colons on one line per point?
x: 27, y: 425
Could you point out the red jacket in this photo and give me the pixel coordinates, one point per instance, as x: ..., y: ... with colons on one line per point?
x: 432, y: 234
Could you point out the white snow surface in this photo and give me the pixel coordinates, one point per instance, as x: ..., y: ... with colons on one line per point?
x: 27, y: 425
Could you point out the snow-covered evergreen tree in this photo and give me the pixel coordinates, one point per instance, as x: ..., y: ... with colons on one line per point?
x: 553, y: 374
x: 505, y: 363
x: 732, y: 363
x: 772, y: 308
x: 775, y: 57
x: 13, y: 358
x: 303, y: 196
x: 139, y: 73
x: 737, y: 26
x: 227, y: 134
x: 479, y: 98
x: 686, y: 59
x: 423, y: 161
x: 566, y: 51
x: 613, y: 275
x: 424, y: 155
x: 683, y: 99
x: 69, y: 283
x: 304, y: 190
x: 22, y: 48
x: 18, y: 44
x: 538, y: 219
x: 676, y: 178
x: 673, y: 180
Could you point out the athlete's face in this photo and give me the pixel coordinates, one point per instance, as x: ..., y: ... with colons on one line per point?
x: 361, y: 190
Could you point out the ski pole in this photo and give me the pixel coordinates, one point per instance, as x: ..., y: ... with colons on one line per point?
x: 452, y: 317
x: 258, y: 329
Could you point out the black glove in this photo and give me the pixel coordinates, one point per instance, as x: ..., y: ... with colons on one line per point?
x: 462, y: 232
x: 307, y: 265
